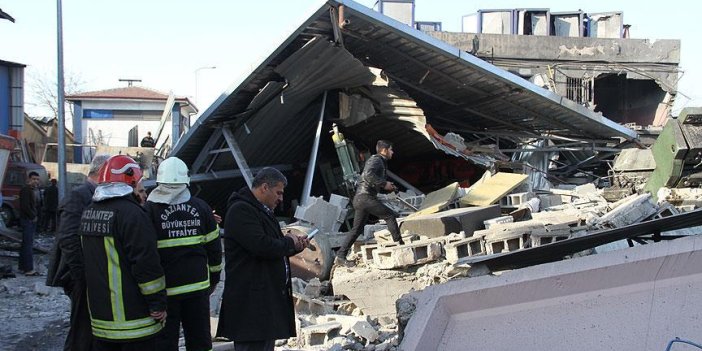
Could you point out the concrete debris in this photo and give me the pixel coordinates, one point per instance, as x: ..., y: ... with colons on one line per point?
x: 365, y: 330
x: 325, y: 216
x: 468, y: 220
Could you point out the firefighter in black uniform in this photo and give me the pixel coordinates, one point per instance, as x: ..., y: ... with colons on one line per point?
x: 191, y: 255
x: 125, y: 282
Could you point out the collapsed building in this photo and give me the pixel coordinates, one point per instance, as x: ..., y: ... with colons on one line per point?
x: 484, y: 158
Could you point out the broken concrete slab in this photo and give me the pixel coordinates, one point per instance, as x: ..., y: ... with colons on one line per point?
x: 321, y: 214
x: 492, y: 189
x: 438, y: 200
x: 617, y: 297
x: 631, y: 210
x: 365, y: 330
x: 468, y: 220
x: 374, y: 291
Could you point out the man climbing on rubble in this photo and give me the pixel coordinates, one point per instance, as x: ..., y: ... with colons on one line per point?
x: 365, y: 202
x: 191, y: 256
x: 257, y: 304
x: 66, y: 268
x: 126, y: 284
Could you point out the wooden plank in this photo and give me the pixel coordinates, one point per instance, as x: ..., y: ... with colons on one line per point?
x: 493, y: 189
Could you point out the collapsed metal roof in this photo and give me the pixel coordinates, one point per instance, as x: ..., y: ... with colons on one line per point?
x: 272, y: 114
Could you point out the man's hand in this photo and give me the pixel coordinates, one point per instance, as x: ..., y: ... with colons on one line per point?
x: 217, y: 218
x: 159, y: 316
x: 390, y: 187
x: 301, y: 242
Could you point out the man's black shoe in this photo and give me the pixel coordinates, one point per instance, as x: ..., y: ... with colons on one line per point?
x: 340, y: 261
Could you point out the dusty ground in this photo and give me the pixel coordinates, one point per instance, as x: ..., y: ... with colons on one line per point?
x: 33, y: 316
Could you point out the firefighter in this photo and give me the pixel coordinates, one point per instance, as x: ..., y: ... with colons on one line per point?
x: 125, y: 282
x: 191, y: 255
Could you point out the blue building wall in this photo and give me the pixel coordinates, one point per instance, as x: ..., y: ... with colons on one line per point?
x: 4, y: 99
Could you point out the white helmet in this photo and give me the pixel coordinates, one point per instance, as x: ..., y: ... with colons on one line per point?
x: 172, y: 171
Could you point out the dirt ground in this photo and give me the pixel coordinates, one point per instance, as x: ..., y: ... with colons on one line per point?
x: 33, y: 316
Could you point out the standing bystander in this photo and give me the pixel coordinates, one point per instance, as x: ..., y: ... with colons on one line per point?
x: 257, y: 305
x: 29, y: 215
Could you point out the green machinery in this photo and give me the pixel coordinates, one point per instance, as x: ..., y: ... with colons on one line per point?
x: 678, y: 153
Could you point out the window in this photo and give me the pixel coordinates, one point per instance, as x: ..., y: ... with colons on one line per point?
x: 88, y: 113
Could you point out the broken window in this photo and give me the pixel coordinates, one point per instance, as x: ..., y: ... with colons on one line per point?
x: 579, y: 90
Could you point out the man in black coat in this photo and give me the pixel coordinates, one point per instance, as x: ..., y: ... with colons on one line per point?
x: 365, y: 203
x: 257, y: 305
x: 66, y: 265
x: 50, y: 206
x: 29, y: 216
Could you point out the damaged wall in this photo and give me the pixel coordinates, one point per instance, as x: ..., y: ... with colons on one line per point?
x: 644, y: 73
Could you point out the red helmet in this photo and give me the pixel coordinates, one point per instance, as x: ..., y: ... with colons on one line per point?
x: 120, y: 169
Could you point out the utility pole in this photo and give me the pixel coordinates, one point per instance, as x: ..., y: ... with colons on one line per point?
x: 61, y: 176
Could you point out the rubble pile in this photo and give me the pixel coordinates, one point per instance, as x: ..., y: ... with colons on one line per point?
x: 363, y: 308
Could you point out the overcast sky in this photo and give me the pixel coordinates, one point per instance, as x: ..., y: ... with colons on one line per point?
x: 164, y: 42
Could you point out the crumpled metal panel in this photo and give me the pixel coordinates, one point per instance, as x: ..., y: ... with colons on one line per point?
x: 456, y: 90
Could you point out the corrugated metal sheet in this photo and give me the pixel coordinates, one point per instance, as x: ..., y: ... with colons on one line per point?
x: 273, y: 113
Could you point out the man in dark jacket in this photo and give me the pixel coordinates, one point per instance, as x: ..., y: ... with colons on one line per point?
x: 29, y: 214
x: 257, y: 305
x: 50, y: 206
x: 126, y: 284
x: 66, y: 268
x: 191, y: 256
x: 365, y: 202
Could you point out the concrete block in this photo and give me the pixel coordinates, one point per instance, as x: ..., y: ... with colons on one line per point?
x: 339, y: 201
x: 306, y: 305
x: 498, y: 220
x: 367, y: 252
x: 407, y: 255
x: 517, y: 199
x: 320, y: 334
x: 506, y: 244
x: 321, y: 214
x: 464, y: 248
x: 370, y: 229
x: 365, y: 330
x: 313, y: 288
x: 548, y: 200
x: 550, y: 237
x: 468, y: 220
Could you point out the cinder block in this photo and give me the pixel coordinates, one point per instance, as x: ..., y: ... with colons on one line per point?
x: 319, y: 334
x: 464, y: 248
x: 408, y: 255
x: 518, y: 198
x: 498, y: 220
x: 367, y: 252
x: 370, y: 229
x: 548, y: 238
x: 506, y: 244
x: 338, y: 200
x: 468, y: 220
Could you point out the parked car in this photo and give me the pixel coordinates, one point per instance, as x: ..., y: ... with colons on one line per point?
x: 15, y: 178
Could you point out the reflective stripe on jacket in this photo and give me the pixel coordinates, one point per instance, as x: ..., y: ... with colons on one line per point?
x: 124, y: 277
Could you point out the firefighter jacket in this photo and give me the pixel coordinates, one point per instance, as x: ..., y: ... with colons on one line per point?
x: 188, y: 244
x: 123, y: 273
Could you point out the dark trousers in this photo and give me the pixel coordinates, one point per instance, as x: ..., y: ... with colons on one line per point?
x: 26, y: 258
x: 194, y: 313
x: 49, y: 221
x: 80, y: 334
x: 365, y: 205
x: 265, y: 345
x: 142, y: 345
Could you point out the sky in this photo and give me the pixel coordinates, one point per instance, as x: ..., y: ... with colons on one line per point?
x: 169, y: 44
